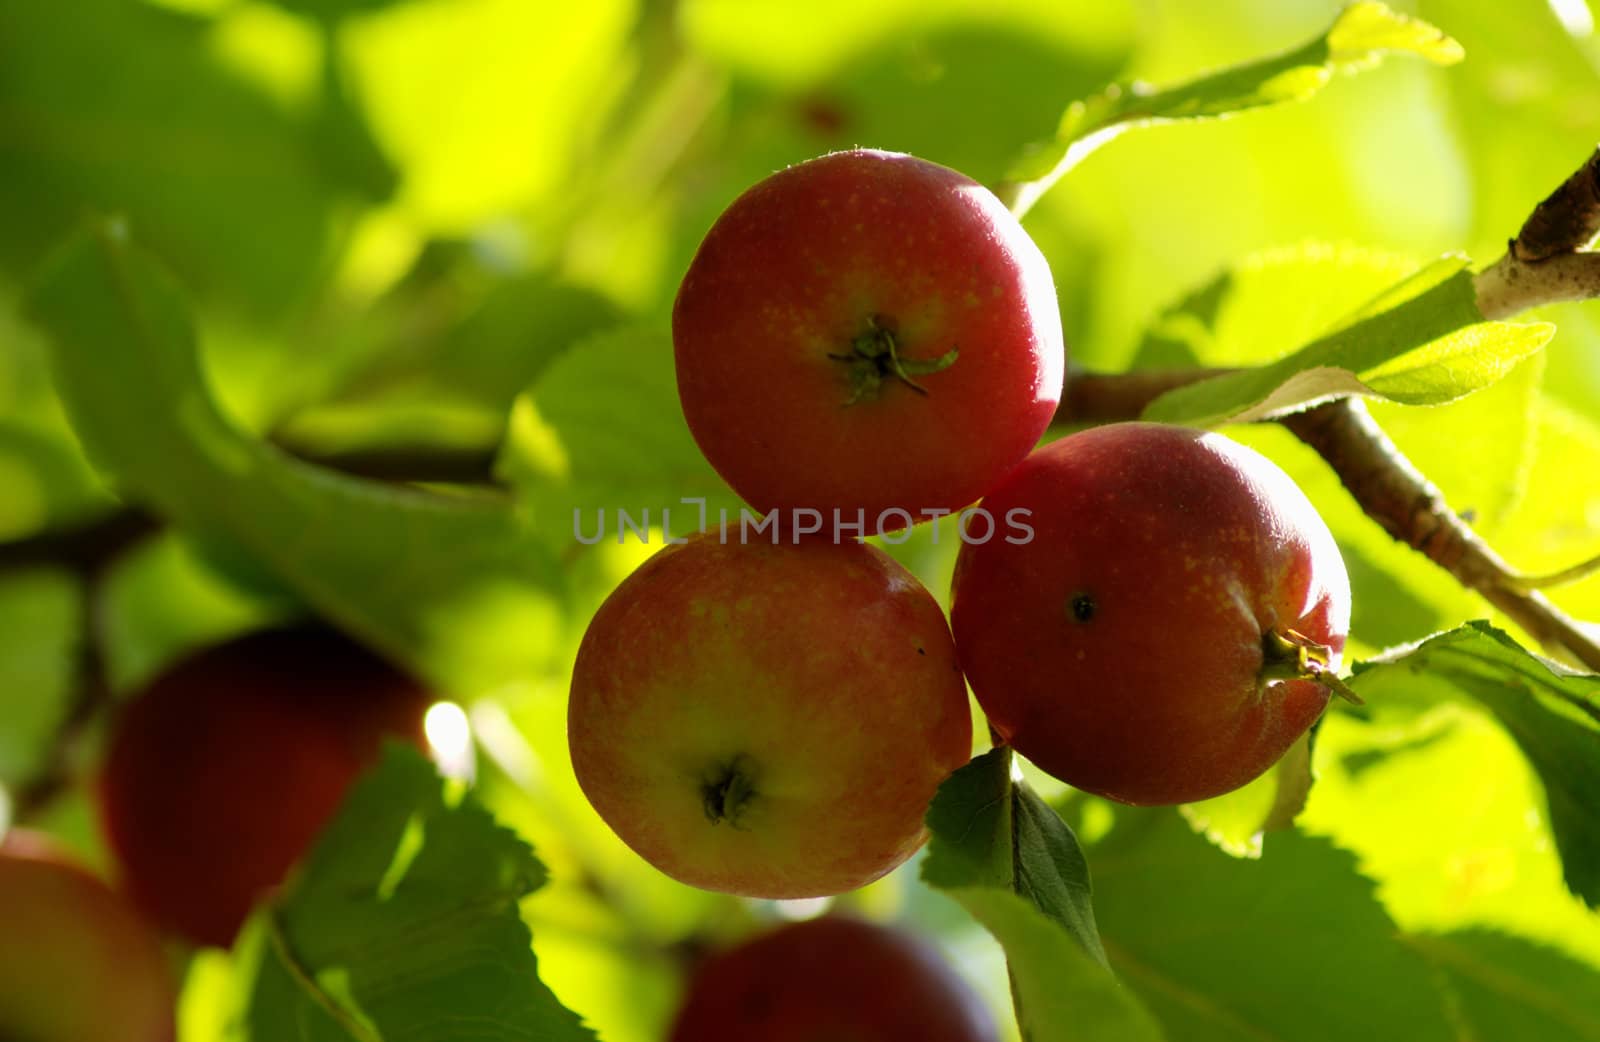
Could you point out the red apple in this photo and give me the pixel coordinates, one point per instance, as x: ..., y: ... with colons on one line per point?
x: 768, y: 720
x: 222, y: 772
x: 830, y: 980
x: 77, y: 962
x: 867, y: 331
x: 1159, y: 637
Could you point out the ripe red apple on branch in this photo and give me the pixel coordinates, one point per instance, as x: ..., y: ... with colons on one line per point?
x: 1173, y: 626
x: 768, y: 720
x: 77, y: 962
x: 867, y: 331
x: 223, y: 770
x: 828, y: 980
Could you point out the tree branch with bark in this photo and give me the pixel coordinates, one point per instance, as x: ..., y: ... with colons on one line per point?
x: 1548, y: 262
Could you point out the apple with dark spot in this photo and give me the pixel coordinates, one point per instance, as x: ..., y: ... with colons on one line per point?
x: 1171, y: 627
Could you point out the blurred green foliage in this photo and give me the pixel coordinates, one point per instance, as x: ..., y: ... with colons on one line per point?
x: 417, y: 229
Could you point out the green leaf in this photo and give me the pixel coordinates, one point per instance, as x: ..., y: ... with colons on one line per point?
x: 457, y: 587
x: 991, y: 830
x: 1423, y: 342
x: 46, y: 479
x: 1003, y: 854
x: 1062, y: 994
x: 224, y: 182
x: 41, y: 616
x: 1506, y: 987
x: 403, y: 925
x: 1357, y: 38
x: 1237, y: 821
x: 1551, y: 712
x: 1293, y: 946
x: 602, y: 432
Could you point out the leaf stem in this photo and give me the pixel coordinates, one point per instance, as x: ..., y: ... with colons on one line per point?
x: 353, y: 1026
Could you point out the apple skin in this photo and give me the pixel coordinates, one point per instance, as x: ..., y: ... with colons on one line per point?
x: 1121, y: 649
x: 77, y: 962
x: 768, y: 720
x: 222, y: 772
x: 832, y: 979
x: 813, y: 257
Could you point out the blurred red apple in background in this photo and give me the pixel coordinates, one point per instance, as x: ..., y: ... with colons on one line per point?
x: 78, y: 963
x: 831, y: 979
x: 223, y: 770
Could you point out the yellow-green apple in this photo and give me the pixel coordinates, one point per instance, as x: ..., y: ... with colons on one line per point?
x: 768, y: 720
x: 224, y: 769
x: 867, y: 331
x: 78, y: 963
x: 832, y: 979
x: 1171, y: 624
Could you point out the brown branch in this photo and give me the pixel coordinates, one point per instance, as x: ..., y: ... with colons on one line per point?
x: 1412, y: 509
x: 1567, y: 220
x: 84, y: 548
x: 1545, y: 264
x: 1378, y: 476
x: 1090, y: 398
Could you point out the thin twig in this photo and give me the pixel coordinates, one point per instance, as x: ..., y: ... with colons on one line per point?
x: 1387, y: 486
x: 1545, y: 264
x: 1512, y: 285
x: 84, y: 548
x: 1412, y: 509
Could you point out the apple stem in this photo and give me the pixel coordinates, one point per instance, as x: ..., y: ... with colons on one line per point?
x: 1291, y: 655
x: 874, y: 356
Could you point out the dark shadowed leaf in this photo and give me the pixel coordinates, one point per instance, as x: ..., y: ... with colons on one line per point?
x: 403, y: 926
x: 1293, y: 946
x: 455, y: 586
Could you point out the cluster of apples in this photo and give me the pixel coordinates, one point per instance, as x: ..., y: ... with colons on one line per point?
x: 217, y: 777
x: 871, y: 339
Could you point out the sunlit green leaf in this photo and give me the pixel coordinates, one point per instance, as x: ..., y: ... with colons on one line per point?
x: 602, y: 434
x: 1421, y: 343
x: 1361, y: 33
x: 1553, y: 713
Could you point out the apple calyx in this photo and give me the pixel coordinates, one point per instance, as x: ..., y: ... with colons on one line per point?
x: 874, y: 357
x: 727, y: 790
x: 1291, y: 655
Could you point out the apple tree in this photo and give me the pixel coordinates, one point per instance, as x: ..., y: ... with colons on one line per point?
x: 401, y: 639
